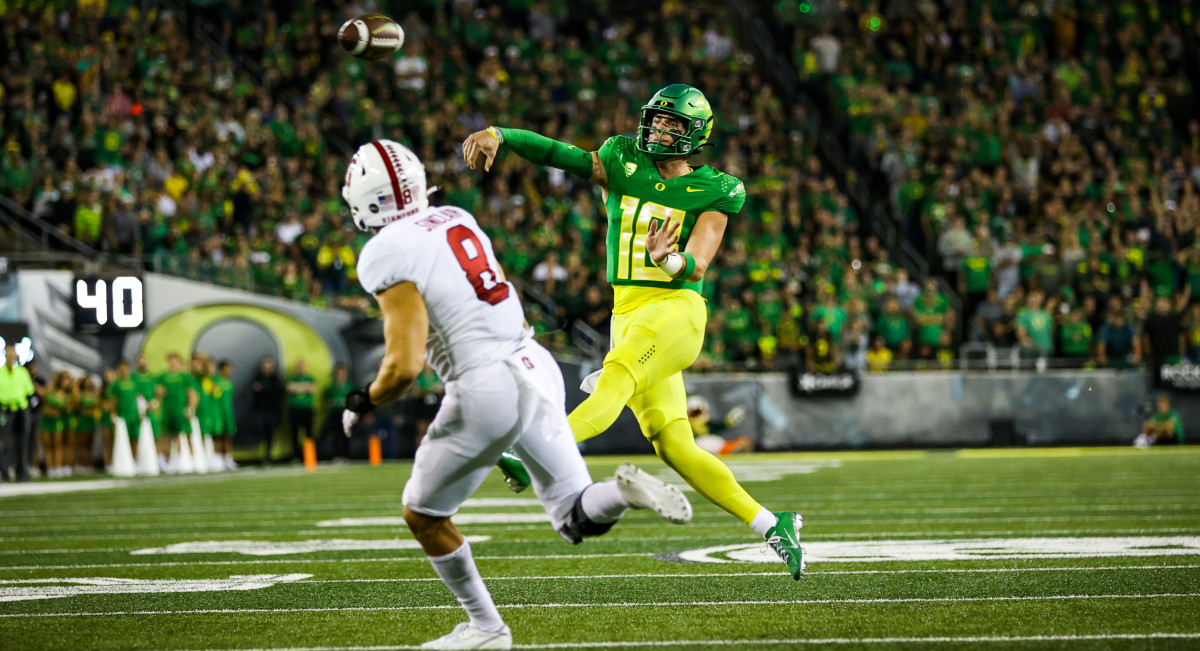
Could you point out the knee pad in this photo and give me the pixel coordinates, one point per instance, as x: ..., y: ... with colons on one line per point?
x: 578, y: 526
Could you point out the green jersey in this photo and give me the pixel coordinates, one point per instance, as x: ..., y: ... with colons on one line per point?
x: 1170, y: 418
x: 335, y: 395
x: 145, y: 383
x: 124, y: 394
x: 177, y: 384
x: 1076, y: 339
x: 1039, y: 326
x: 638, y: 197
x: 206, y: 408
x: 300, y: 399
x: 223, y: 394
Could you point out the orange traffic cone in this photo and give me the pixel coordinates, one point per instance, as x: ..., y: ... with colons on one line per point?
x: 310, y: 454
x: 375, y: 450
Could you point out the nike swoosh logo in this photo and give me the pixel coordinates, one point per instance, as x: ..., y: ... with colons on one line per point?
x: 691, y: 189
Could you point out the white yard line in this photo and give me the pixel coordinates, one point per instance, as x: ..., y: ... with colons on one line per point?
x: 119, y: 514
x: 643, y: 604
x: 993, y: 639
x: 270, y: 561
x: 807, y: 536
x: 541, y: 577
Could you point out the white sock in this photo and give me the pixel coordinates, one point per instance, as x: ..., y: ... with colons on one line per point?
x: 763, y: 522
x: 603, y: 502
x: 459, y: 573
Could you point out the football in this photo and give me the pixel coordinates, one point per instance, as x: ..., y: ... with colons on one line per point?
x: 371, y: 37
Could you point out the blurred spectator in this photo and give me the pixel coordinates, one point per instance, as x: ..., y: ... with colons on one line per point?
x: 335, y: 402
x: 16, y: 387
x: 1117, y: 342
x: 1035, y: 327
x: 1163, y: 426
x: 1163, y: 339
x: 301, y: 392
x: 879, y: 357
x: 268, y: 391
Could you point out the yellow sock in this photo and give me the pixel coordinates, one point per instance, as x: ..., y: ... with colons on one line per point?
x: 600, y: 410
x: 676, y: 445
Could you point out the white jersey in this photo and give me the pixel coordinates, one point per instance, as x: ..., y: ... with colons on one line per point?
x: 475, y: 315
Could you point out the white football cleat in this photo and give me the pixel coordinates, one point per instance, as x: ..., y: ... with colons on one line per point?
x: 469, y: 636
x: 645, y: 492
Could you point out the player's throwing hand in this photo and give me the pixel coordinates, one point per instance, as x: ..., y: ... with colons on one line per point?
x: 481, y: 146
x: 661, y: 242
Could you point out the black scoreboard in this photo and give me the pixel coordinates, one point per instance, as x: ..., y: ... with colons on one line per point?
x: 108, y: 304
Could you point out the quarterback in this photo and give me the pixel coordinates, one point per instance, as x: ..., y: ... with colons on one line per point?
x: 665, y: 223
x: 445, y: 302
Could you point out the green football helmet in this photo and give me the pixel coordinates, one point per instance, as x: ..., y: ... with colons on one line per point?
x: 687, y: 104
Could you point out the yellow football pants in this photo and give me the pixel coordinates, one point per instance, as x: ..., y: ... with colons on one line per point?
x: 652, y: 345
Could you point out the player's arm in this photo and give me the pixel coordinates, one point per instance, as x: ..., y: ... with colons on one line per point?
x: 705, y: 239
x: 535, y: 148
x: 405, y: 330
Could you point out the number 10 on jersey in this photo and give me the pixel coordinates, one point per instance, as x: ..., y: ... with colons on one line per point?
x: 633, y: 263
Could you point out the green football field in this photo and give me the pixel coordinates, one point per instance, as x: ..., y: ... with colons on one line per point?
x: 1047, y: 548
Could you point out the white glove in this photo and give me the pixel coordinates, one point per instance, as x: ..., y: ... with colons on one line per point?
x: 349, y: 418
x: 141, y: 402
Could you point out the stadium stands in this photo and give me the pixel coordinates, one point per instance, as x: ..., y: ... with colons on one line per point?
x: 221, y: 158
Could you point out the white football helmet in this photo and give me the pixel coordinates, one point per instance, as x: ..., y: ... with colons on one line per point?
x: 384, y: 183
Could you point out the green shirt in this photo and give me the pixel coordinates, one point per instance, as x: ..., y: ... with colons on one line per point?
x: 894, y: 328
x: 1039, y: 326
x: 125, y: 394
x: 300, y: 399
x: 177, y: 385
x: 207, y: 406
x: 833, y: 316
x: 146, y: 384
x: 335, y: 395
x: 1159, y: 417
x: 977, y: 270
x: 223, y: 394
x: 1076, y: 339
x: 15, y: 387
x: 638, y: 196
x: 931, y: 321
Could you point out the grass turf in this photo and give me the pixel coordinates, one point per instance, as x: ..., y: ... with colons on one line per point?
x: 74, y: 553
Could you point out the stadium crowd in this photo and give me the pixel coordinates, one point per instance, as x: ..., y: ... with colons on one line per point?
x: 1044, y: 155
x: 125, y: 134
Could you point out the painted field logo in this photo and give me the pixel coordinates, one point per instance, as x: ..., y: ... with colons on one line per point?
x: 875, y: 551
x: 28, y: 589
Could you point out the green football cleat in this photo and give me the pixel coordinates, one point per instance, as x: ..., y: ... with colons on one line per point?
x: 784, y: 538
x: 515, y: 474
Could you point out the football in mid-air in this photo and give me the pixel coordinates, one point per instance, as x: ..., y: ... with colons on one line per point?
x: 371, y: 37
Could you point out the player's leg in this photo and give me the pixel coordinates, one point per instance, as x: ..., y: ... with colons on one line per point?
x: 650, y: 344
x: 477, y: 421
x: 578, y: 507
x: 661, y: 412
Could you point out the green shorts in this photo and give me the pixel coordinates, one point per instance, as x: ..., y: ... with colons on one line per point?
x: 51, y: 424
x: 175, y: 423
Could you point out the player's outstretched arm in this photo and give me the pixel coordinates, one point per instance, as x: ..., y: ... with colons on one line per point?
x: 705, y: 239
x: 481, y: 147
x: 405, y: 330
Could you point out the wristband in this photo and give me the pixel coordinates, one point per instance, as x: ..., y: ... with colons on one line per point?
x: 678, y: 265
x: 359, y: 401
x: 497, y: 134
x: 689, y: 266
x: 672, y: 264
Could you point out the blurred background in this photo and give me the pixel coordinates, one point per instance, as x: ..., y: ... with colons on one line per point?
x: 968, y: 223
